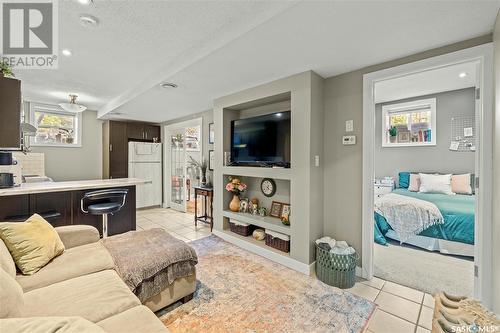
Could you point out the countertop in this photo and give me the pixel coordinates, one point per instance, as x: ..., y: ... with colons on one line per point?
x: 45, y: 187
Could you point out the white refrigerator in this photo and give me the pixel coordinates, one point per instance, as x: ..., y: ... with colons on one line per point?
x: 144, y: 161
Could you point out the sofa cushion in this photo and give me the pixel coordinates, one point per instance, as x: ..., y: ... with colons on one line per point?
x: 95, y: 297
x: 49, y: 324
x: 32, y: 244
x: 6, y: 261
x: 77, y: 261
x: 136, y: 319
x: 77, y: 235
x: 11, y: 296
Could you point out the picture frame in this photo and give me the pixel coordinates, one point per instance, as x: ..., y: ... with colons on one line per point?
x: 211, y: 133
x: 211, y: 157
x: 276, y: 208
x: 403, y: 137
x: 285, y: 210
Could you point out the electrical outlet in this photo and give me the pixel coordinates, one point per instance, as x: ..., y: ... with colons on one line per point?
x: 349, y: 140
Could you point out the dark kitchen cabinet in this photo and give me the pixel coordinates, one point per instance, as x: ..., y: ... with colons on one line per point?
x: 10, y: 109
x: 118, y: 150
x: 116, y: 136
x: 55, y: 207
x: 64, y: 208
x: 135, y: 131
x: 151, y: 132
x: 14, y: 208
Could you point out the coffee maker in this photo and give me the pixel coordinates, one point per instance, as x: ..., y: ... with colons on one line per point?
x: 10, y: 171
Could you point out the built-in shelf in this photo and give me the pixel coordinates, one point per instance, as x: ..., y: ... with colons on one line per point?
x: 266, y: 222
x: 275, y: 173
x: 253, y: 241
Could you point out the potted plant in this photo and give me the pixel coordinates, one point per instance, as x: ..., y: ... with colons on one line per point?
x: 202, y: 166
x: 392, y: 134
x: 5, y: 69
x: 236, y: 187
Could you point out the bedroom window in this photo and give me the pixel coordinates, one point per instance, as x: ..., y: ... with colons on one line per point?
x: 55, y: 127
x: 409, y: 124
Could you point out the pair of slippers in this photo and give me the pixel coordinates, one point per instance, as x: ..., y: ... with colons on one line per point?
x: 461, y: 314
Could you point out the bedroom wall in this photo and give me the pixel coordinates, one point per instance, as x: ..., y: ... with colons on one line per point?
x: 438, y: 158
x: 343, y: 164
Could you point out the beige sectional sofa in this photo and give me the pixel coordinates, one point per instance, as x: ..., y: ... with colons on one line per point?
x: 80, y: 283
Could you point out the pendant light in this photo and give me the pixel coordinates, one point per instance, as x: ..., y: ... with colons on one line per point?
x: 72, y: 106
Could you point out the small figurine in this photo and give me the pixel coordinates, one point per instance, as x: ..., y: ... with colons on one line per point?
x: 285, y: 219
x: 244, y: 206
x: 262, y: 211
x: 255, y: 206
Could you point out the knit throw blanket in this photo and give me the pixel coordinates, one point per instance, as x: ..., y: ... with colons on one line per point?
x: 150, y: 260
x: 406, y: 215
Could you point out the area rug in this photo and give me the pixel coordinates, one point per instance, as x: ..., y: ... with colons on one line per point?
x: 242, y: 292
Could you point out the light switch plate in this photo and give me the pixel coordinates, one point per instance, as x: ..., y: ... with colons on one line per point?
x: 349, y: 140
x: 349, y: 125
x: 316, y: 160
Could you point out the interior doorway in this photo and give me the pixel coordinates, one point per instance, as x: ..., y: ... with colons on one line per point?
x: 481, y: 57
x: 184, y: 146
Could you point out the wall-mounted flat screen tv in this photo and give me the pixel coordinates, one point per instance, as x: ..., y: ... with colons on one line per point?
x: 262, y: 140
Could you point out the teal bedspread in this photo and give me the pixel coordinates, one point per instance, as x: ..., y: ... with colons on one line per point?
x: 457, y: 210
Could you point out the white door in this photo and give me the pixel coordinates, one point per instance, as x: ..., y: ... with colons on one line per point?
x: 177, y: 169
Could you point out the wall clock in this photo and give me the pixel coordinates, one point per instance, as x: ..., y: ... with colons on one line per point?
x: 268, y: 187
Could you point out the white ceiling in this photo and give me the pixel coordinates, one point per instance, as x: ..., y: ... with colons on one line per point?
x: 425, y: 83
x: 214, y: 48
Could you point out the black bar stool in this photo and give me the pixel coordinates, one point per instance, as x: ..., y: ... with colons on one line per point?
x: 104, y: 202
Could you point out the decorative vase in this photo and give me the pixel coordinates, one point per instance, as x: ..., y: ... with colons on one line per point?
x: 392, y: 139
x: 204, y: 180
x: 234, y: 205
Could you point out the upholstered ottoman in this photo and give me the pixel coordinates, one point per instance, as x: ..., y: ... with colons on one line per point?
x: 157, y: 267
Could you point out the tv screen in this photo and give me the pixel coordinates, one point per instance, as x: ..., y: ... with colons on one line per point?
x: 262, y: 139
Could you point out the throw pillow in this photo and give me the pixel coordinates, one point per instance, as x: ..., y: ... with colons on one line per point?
x: 414, y: 183
x: 32, y: 244
x: 461, y: 184
x: 404, y: 179
x: 11, y: 295
x: 435, y: 184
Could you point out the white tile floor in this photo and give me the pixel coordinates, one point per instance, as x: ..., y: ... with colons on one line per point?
x: 400, y: 309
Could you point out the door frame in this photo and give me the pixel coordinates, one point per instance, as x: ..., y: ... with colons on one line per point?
x: 166, y: 155
x: 483, y: 55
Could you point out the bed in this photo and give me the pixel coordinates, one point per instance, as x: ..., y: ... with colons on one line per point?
x: 454, y: 236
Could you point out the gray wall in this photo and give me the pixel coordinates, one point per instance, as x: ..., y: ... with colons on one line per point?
x: 496, y: 174
x: 343, y: 164
x: 389, y: 161
x: 78, y: 163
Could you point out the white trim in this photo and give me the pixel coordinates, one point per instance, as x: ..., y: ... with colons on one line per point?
x: 166, y: 156
x: 407, y: 107
x: 52, y: 108
x: 483, y: 55
x: 268, y: 254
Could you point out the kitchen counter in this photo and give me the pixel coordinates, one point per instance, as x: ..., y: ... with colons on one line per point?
x: 47, y: 187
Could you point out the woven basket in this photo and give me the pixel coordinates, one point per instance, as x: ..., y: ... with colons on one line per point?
x: 241, y: 229
x: 277, y: 243
x: 338, y: 270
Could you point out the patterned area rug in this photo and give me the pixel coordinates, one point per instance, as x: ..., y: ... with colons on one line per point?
x: 239, y: 291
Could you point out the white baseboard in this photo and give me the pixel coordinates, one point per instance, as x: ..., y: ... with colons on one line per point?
x: 268, y: 254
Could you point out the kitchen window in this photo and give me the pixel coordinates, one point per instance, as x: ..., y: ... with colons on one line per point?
x: 409, y: 124
x: 55, y: 127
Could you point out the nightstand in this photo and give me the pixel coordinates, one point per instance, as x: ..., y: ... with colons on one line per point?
x: 382, y: 188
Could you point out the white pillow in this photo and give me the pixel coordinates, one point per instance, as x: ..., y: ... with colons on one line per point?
x: 435, y: 184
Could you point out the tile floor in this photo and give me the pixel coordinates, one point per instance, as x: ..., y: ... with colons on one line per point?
x: 400, y: 309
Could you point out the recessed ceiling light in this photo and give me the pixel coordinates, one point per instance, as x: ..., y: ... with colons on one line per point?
x: 168, y: 85
x: 462, y: 75
x: 67, y: 52
x: 85, y: 2
x: 89, y: 21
